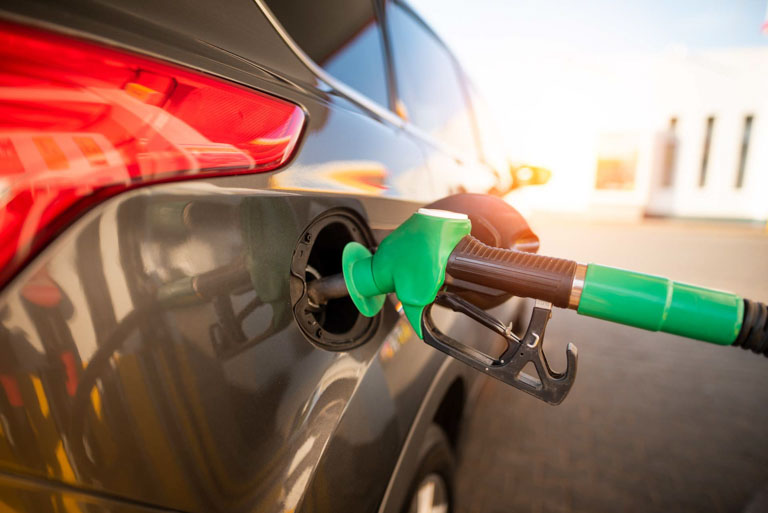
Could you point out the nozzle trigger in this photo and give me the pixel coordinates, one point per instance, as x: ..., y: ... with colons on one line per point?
x: 548, y: 385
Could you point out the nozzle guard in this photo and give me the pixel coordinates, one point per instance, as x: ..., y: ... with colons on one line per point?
x: 410, y: 262
x: 356, y: 261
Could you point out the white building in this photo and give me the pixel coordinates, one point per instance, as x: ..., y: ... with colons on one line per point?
x: 712, y: 155
x: 680, y: 134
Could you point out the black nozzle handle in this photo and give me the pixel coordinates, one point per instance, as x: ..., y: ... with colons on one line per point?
x: 521, y: 274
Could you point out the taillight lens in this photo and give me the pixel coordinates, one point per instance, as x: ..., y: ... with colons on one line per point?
x: 79, y: 122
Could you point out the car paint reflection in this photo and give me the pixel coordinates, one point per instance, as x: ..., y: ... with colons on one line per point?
x: 356, y: 177
x: 150, y: 411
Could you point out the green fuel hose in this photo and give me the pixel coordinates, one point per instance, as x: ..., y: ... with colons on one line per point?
x: 649, y: 302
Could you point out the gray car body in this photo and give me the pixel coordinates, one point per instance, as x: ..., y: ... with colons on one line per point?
x: 161, y: 419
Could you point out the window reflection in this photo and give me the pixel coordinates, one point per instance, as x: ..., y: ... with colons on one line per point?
x: 342, y: 36
x: 428, y: 82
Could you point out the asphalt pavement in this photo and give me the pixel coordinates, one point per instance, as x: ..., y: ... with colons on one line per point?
x: 654, y: 422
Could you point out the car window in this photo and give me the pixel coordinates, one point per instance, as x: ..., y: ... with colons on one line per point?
x: 490, y: 139
x: 428, y: 81
x: 342, y: 36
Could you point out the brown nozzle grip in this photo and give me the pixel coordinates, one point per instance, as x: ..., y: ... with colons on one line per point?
x: 521, y: 274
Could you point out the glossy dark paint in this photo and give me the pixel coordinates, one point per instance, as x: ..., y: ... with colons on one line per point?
x: 169, y: 420
x: 115, y: 402
x: 21, y: 493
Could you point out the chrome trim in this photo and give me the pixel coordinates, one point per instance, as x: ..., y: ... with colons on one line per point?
x: 348, y: 91
x: 577, y: 286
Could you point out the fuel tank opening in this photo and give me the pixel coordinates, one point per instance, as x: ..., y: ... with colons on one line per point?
x: 334, y: 324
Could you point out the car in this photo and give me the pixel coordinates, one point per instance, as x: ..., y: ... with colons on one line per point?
x: 172, y: 176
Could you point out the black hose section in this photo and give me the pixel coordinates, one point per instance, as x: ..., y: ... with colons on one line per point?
x: 754, y: 328
x: 324, y: 289
x: 220, y: 280
x: 521, y: 274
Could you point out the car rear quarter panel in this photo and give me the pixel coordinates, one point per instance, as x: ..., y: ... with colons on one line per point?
x: 108, y: 393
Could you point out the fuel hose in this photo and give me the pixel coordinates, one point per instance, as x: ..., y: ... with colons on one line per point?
x: 650, y: 302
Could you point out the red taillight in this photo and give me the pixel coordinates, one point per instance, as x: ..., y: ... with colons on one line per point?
x: 80, y: 122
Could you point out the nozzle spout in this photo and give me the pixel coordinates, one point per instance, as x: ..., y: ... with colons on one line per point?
x: 322, y: 290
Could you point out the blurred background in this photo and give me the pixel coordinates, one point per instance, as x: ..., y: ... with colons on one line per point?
x: 652, y: 118
x: 637, y: 107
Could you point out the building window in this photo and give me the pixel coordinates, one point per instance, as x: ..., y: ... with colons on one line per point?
x: 705, y: 152
x: 744, y: 151
x: 616, y: 162
x: 670, y: 155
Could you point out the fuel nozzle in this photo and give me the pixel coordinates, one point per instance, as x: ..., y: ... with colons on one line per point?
x: 410, y: 262
x: 414, y: 260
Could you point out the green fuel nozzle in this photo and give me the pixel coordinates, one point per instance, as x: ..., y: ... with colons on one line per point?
x: 410, y: 262
x: 415, y: 258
